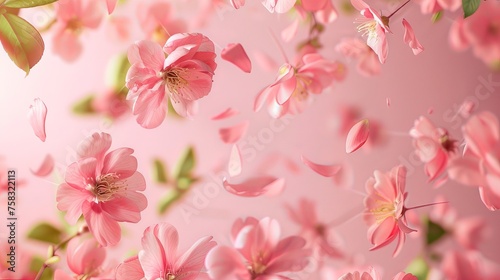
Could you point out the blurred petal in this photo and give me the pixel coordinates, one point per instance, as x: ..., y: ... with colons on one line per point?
x: 36, y: 115
x: 237, y: 3
x: 288, y: 33
x: 323, y: 170
x: 111, y: 4
x: 235, y: 54
x: 46, y: 167
x: 255, y: 186
x: 229, y: 112
x: 231, y: 135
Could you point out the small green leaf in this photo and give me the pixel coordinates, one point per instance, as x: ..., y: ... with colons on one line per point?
x: 436, y: 16
x: 117, y: 72
x: 27, y: 3
x: 160, y: 171
x: 186, y: 164
x: 45, y: 232
x: 166, y: 202
x: 21, y: 41
x: 184, y: 183
x: 470, y: 7
x: 84, y: 106
x: 419, y: 268
x: 434, y: 232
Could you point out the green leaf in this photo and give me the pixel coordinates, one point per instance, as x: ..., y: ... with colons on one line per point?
x: 470, y: 7
x: 186, y: 164
x: 160, y: 171
x: 166, y: 202
x: 45, y: 232
x: 21, y: 41
x: 84, y: 106
x: 184, y: 183
x: 436, y: 16
x: 419, y: 268
x: 117, y: 72
x: 27, y: 3
x: 434, y: 232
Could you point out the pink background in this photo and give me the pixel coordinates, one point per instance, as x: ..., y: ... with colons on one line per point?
x: 438, y: 78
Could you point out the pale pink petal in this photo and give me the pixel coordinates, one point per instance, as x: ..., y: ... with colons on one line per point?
x: 104, y: 228
x: 314, y: 5
x: 37, y: 114
x: 151, y: 109
x: 469, y: 232
x: 426, y: 148
x: 111, y: 4
x: 61, y: 275
x: 357, y: 136
x: 359, y: 5
x: 276, y: 187
x: 288, y: 33
x: 229, y: 112
x: 94, y: 146
x: 168, y: 237
x: 458, y: 37
x: 288, y: 255
x: 278, y: 6
x: 231, y: 135
x: 130, y: 269
x: 46, y: 167
x: 388, y: 102
x: 149, y: 54
x: 225, y: 263
x: 323, y: 170
x: 404, y: 276
x: 467, y: 108
x: 235, y: 53
x: 382, y: 231
x: 66, y: 44
x: 327, y: 14
x: 193, y: 260
x: 411, y: 39
x: 237, y: 3
x: 70, y: 199
x: 122, y: 209
x: 254, y: 186
x: 466, y: 171
x: 120, y: 162
x: 152, y: 256
x: 235, y: 161
x: 84, y: 255
x: 185, y: 108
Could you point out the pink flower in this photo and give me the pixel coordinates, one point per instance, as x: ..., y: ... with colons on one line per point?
x: 371, y: 274
x: 319, y: 235
x: 159, y: 258
x: 184, y: 76
x: 258, y: 253
x: 374, y: 26
x: 368, y: 63
x: 73, y: 16
x: 411, y: 39
x: 85, y: 259
x: 433, y: 146
x: 103, y: 186
x: 292, y: 90
x: 469, y: 265
x: 157, y: 20
x: 385, y: 208
x: 480, y: 165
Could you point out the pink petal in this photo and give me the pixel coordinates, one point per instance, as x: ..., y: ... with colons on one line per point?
x: 288, y: 33
x: 278, y: 6
x: 193, y: 260
x: 323, y: 170
x: 152, y: 256
x: 120, y: 162
x: 235, y: 54
x: 466, y: 171
x: 237, y: 3
x: 45, y: 168
x: 404, y: 276
x: 265, y: 61
x: 360, y: 5
x: 71, y: 199
x: 111, y: 4
x: 254, y: 186
x: 94, y: 146
x: 231, y: 135
x: 225, y: 263
x: 388, y: 102
x: 104, y: 229
x: 66, y: 43
x: 61, y: 275
x: 411, y: 39
x: 229, y: 112
x: 276, y: 187
x: 129, y: 269
x: 314, y: 5
x: 467, y: 108
x: 121, y: 209
x: 234, y: 165
x: 357, y: 136
x: 36, y: 115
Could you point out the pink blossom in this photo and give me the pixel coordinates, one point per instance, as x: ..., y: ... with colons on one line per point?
x: 320, y: 237
x: 323, y: 10
x: 469, y: 265
x: 480, y: 165
x: 433, y: 146
x: 292, y: 90
x: 103, y: 186
x: 258, y: 253
x: 411, y: 39
x: 73, y: 17
x: 368, y: 63
x: 85, y: 258
x: 111, y: 104
x: 183, y: 77
x: 374, y: 26
x: 385, y: 208
x: 157, y: 20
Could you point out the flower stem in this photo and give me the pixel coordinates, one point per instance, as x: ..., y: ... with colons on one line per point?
x: 398, y: 9
x: 425, y: 205
x: 279, y: 47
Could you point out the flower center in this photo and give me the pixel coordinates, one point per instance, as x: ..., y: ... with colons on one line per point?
x: 368, y: 28
x: 174, y: 81
x: 384, y: 210
x: 494, y: 28
x: 107, y: 186
x: 75, y: 25
x: 448, y: 144
x: 258, y: 267
x: 320, y: 229
x: 170, y: 276
x: 300, y: 91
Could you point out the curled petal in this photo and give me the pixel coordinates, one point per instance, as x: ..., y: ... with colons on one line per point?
x: 37, y: 114
x: 411, y: 39
x: 234, y: 165
x: 323, y: 170
x: 231, y: 135
x: 357, y: 136
x: 235, y: 53
x: 46, y: 167
x: 255, y: 186
x: 229, y: 112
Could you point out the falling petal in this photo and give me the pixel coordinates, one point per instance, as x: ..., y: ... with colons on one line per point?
x: 288, y: 33
x: 230, y: 135
x: 255, y: 186
x: 467, y: 108
x: 237, y: 3
x: 411, y: 39
x: 234, y: 165
x: 357, y: 136
x: 229, y: 112
x: 45, y: 168
x: 323, y: 170
x: 388, y: 102
x: 36, y: 115
x: 235, y: 54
